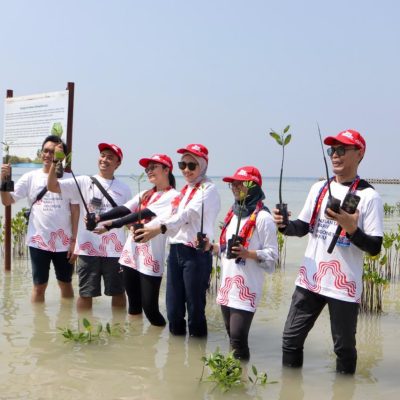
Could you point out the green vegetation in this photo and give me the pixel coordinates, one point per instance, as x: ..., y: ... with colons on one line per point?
x: 283, y: 140
x: 391, y: 210
x: 90, y: 333
x: 379, y: 271
x: 227, y: 372
x: 280, y: 264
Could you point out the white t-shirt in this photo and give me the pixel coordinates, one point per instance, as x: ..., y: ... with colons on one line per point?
x: 182, y: 227
x: 337, y: 275
x: 242, y: 284
x: 149, y: 258
x: 50, y: 220
x: 109, y: 244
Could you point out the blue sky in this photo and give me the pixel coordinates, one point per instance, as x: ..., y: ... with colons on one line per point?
x: 153, y: 76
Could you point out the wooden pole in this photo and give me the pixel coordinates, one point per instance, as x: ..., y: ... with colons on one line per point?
x: 70, y: 119
x: 7, y: 223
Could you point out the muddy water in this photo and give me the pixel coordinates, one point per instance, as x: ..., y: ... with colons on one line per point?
x: 147, y: 363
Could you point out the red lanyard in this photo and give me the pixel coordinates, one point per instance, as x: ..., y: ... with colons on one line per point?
x: 247, y: 229
x: 150, y: 198
x: 177, y: 200
x: 320, y: 197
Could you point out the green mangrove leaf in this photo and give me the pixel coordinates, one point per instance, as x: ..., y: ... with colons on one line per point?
x: 275, y: 136
x: 86, y: 323
x: 287, y: 139
x: 59, y: 155
x: 286, y: 129
x: 57, y: 129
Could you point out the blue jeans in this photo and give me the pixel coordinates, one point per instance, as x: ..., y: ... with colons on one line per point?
x: 188, y: 279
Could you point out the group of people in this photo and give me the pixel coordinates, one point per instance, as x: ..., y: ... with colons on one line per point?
x: 84, y: 217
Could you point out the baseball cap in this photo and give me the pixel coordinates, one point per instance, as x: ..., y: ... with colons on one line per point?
x: 158, y: 158
x: 349, y: 136
x: 245, y: 174
x: 196, y: 149
x: 113, y: 147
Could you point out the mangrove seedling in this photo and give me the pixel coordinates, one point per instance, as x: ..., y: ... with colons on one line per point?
x: 227, y: 373
x: 283, y: 140
x: 139, y: 225
x: 201, y: 235
x: 236, y: 239
x: 91, y: 333
x: 7, y: 184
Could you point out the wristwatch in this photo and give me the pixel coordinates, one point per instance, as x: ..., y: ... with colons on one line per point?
x: 163, y: 228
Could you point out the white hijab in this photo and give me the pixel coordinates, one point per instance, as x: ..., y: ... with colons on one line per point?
x: 203, y: 164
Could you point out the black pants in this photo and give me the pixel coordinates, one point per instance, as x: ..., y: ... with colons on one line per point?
x: 143, y: 291
x: 188, y: 278
x: 304, y: 311
x: 237, y: 324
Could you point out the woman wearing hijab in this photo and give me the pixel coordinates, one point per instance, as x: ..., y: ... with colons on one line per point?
x: 143, y: 263
x: 242, y: 276
x: 189, y: 269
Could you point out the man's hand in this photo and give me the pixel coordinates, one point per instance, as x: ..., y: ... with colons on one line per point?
x: 278, y: 218
x: 349, y: 222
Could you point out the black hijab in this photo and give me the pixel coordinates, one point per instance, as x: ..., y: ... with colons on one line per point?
x: 254, y: 195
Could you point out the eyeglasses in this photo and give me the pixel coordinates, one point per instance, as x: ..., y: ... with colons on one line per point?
x: 236, y: 185
x: 190, y: 165
x: 151, y: 167
x: 339, y: 150
x: 47, y: 151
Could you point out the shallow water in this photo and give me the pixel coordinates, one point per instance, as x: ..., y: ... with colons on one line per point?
x: 147, y: 363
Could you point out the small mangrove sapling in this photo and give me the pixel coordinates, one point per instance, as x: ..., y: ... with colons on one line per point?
x: 139, y: 225
x: 283, y: 140
x: 236, y: 239
x: 201, y: 235
x: 7, y: 184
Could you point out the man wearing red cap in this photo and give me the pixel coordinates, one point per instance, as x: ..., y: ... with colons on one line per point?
x: 332, y: 274
x: 98, y: 255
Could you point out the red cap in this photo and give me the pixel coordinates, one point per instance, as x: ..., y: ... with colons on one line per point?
x: 349, y: 136
x: 196, y: 149
x: 245, y: 174
x: 157, y: 158
x: 113, y: 147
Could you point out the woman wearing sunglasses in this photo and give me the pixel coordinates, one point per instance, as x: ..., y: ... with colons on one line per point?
x: 243, y: 272
x: 189, y: 269
x: 143, y: 263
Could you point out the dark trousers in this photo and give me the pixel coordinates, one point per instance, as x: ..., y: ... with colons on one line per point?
x: 304, y: 311
x: 188, y: 278
x: 237, y: 324
x: 142, y: 292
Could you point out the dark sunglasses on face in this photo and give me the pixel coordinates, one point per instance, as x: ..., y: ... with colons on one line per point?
x: 190, y: 165
x: 339, y: 150
x: 151, y: 167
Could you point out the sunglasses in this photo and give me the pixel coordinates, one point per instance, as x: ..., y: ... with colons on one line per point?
x: 339, y: 150
x: 190, y: 165
x: 151, y: 167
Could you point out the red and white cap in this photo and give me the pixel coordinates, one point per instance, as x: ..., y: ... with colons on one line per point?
x: 350, y: 137
x: 113, y: 147
x: 196, y: 149
x: 245, y: 174
x: 157, y: 158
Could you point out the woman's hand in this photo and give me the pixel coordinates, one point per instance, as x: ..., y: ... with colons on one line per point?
x: 349, y: 222
x: 145, y: 234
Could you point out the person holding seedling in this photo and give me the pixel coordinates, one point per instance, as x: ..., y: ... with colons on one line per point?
x: 143, y: 263
x: 189, y: 268
x: 52, y: 223
x: 98, y: 255
x: 248, y: 247
x: 332, y: 268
